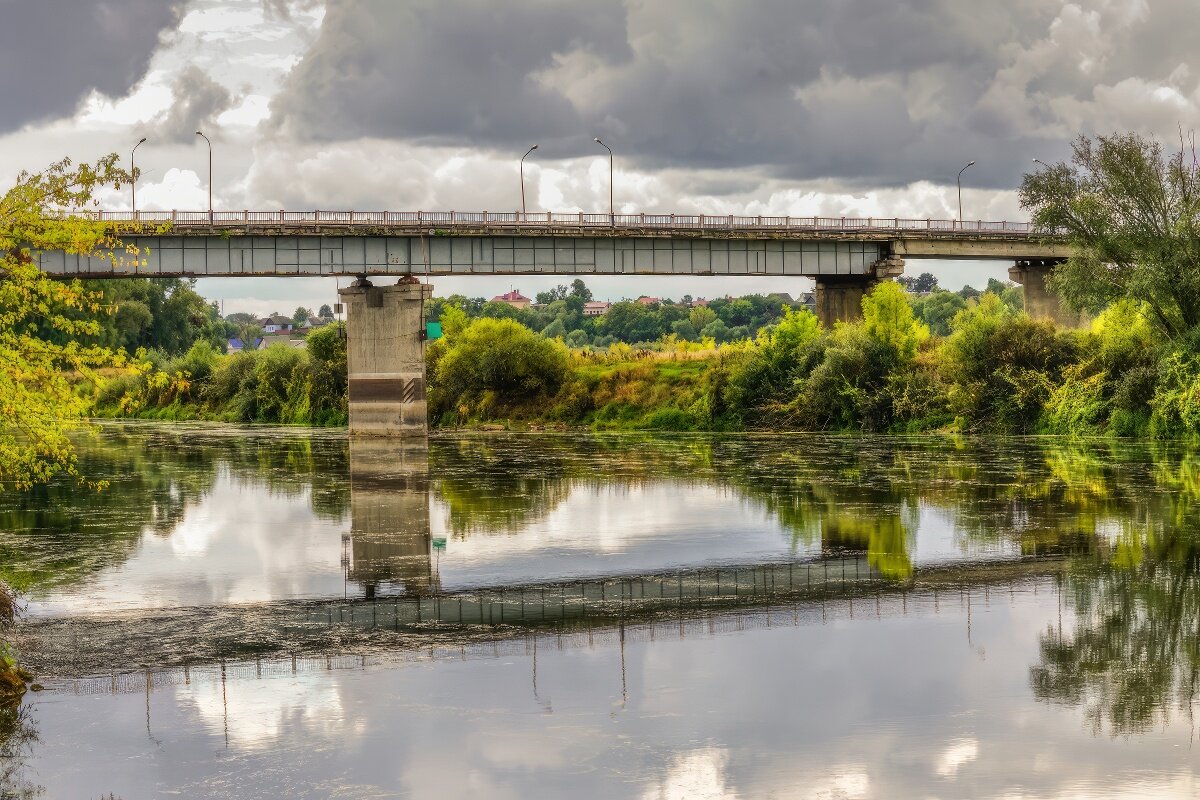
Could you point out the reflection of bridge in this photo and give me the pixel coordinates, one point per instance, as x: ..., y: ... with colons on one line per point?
x: 101, y: 644
x: 385, y: 325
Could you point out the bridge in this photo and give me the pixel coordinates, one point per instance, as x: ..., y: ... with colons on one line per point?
x: 844, y: 257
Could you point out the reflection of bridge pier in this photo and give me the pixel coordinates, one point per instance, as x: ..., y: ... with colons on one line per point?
x: 390, y: 541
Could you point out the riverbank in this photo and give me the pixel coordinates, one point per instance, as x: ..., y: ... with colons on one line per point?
x: 997, y: 371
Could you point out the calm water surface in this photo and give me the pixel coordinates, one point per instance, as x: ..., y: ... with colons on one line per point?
x: 281, y: 614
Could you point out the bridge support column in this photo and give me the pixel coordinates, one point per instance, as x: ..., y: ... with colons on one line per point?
x: 838, y: 298
x: 385, y: 357
x: 1040, y: 302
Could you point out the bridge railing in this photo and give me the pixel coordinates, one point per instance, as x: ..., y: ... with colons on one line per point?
x: 539, y: 220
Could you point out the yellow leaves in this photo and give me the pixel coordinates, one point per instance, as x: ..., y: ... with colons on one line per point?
x: 39, y: 407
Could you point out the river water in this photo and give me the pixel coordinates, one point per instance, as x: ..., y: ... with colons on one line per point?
x: 279, y: 613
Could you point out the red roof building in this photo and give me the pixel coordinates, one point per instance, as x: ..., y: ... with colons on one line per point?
x: 513, y: 298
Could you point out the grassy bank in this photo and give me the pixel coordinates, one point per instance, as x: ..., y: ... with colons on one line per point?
x: 996, y: 370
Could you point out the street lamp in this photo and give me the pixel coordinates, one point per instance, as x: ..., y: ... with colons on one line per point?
x: 527, y: 152
x: 610, y: 178
x: 1043, y: 163
x: 210, y: 207
x: 960, y: 172
x: 133, y: 174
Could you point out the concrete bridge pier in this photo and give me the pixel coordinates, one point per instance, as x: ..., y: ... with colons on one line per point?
x: 385, y: 357
x: 838, y: 298
x: 1040, y: 302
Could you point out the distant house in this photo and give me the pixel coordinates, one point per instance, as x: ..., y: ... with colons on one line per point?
x: 595, y: 308
x: 809, y: 301
x: 698, y: 302
x: 649, y: 301
x: 315, y: 322
x: 514, y: 299
x: 276, y: 323
x: 782, y: 297
x: 237, y: 345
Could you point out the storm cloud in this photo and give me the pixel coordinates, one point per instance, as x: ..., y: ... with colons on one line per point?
x: 54, y: 52
x: 198, y: 101
x: 865, y: 93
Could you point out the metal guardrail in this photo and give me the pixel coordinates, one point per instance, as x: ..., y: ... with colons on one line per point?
x: 502, y: 220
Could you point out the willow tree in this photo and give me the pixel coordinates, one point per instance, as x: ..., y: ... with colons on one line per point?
x: 1132, y: 213
x: 39, y: 404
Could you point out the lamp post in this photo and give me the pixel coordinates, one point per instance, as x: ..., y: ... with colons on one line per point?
x: 960, y: 172
x: 527, y: 152
x: 133, y: 174
x: 210, y: 206
x: 610, y: 178
x: 1043, y: 163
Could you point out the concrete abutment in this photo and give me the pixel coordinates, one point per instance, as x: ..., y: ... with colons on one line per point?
x: 385, y: 357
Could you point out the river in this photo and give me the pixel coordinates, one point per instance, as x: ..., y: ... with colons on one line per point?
x: 248, y: 612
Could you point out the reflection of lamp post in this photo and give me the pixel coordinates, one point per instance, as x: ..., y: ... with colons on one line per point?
x: 960, y: 172
x: 133, y: 174
x: 610, y: 178
x: 527, y: 152
x: 210, y: 208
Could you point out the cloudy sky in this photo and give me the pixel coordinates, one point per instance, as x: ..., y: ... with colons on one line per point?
x: 854, y: 107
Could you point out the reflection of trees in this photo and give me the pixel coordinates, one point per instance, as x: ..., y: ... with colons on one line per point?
x: 837, y: 493
x: 60, y: 532
x: 16, y: 736
x: 1134, y: 652
x: 845, y: 496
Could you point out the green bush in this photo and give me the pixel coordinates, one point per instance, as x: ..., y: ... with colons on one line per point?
x: 1000, y: 367
x: 765, y: 377
x: 496, y: 363
x: 848, y: 387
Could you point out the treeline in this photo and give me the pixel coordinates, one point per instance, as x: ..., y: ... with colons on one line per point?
x: 559, y: 313
x: 997, y: 370
x: 277, y: 384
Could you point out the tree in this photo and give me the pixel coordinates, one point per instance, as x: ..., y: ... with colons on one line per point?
x: 889, y: 320
x: 325, y: 312
x: 937, y: 309
x: 39, y: 406
x: 701, y: 316
x: 300, y: 316
x: 923, y: 283
x: 250, y: 333
x: 559, y: 292
x: 1132, y: 215
x: 241, y: 318
x: 580, y: 289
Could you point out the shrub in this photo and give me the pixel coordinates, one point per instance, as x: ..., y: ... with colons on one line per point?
x: 274, y: 372
x: 848, y: 387
x: 501, y: 357
x: 1001, y: 366
x: 766, y: 375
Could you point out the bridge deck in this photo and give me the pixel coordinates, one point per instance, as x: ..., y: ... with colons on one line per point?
x: 284, y: 243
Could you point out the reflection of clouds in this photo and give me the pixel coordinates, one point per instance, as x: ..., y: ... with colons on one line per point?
x: 239, y: 543
x: 612, y: 529
x: 843, y: 782
x: 259, y: 713
x: 696, y: 775
x: 957, y: 754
